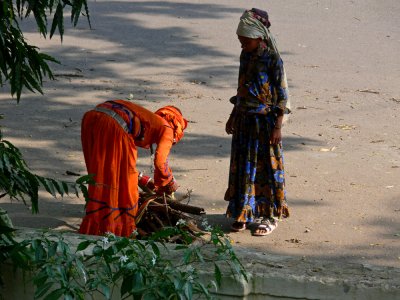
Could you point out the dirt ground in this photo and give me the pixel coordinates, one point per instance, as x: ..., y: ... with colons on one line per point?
x: 342, y: 143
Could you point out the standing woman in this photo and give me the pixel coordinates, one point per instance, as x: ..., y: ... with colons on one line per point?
x: 256, y: 188
x: 110, y: 136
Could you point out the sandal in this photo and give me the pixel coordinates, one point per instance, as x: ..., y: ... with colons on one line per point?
x: 265, y: 228
x: 238, y: 226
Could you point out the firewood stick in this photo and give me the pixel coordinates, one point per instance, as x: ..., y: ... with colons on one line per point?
x: 183, y: 207
x: 158, y: 220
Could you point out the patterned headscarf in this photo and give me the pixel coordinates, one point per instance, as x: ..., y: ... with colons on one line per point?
x: 254, y: 24
x: 175, y: 119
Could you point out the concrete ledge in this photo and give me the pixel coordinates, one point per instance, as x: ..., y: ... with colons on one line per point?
x: 271, y: 277
x: 282, y: 277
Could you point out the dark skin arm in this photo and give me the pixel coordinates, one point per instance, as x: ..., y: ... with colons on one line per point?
x: 276, y: 134
x: 230, y: 124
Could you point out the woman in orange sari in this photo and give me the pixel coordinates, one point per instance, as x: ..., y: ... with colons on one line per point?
x: 110, y: 136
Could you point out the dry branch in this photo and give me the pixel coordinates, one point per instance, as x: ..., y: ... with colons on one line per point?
x: 156, y: 212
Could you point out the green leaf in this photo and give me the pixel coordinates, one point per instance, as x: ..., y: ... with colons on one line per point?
x: 55, y: 295
x: 106, y: 290
x: 97, y: 250
x: 164, y: 233
x: 58, y: 21
x: 204, y: 290
x: 64, y: 278
x: 198, y: 254
x: 17, y: 80
x: 188, y: 290
x: 65, y: 187
x: 57, y: 186
x: 127, y: 285
x: 68, y: 296
x: 83, y: 245
x: 75, y: 12
x: 187, y: 255
x: 217, y: 274
x: 52, y: 249
x: 155, y: 248
x: 45, y: 184
x: 40, y: 252
x: 41, y: 278
x: 85, y: 179
x: 31, y: 83
x: 181, y: 247
x: 43, y: 289
x: 122, y: 243
x: 138, y: 281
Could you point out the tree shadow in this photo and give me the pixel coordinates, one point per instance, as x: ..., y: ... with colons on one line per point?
x: 53, y: 214
x: 131, y: 33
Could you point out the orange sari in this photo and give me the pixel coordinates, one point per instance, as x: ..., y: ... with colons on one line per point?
x: 110, y: 155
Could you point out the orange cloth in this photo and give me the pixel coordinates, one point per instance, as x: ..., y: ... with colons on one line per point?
x: 110, y: 154
x: 174, y: 117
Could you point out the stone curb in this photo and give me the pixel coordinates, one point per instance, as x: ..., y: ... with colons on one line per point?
x: 270, y: 276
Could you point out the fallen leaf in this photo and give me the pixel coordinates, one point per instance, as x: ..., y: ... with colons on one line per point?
x: 368, y: 91
x: 294, y: 241
x: 377, y: 141
x: 197, y: 82
x: 345, y: 126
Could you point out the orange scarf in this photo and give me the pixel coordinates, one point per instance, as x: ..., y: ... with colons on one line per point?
x: 175, y: 119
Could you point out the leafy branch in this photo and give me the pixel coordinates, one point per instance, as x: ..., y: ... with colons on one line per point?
x: 124, y: 267
x: 23, y: 65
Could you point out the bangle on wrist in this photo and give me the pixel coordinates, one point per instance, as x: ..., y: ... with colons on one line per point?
x: 278, y: 126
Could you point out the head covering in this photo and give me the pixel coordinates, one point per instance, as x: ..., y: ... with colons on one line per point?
x: 262, y: 16
x: 175, y: 119
x: 254, y: 24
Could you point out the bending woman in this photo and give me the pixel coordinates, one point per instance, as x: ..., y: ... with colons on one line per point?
x: 110, y: 136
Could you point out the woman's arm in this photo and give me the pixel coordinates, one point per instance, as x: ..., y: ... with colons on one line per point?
x: 279, y: 83
x: 230, y: 124
x: 162, y: 172
x: 276, y: 133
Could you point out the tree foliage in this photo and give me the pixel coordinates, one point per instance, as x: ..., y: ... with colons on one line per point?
x: 23, y: 65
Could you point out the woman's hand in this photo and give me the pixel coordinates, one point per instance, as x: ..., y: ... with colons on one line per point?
x: 230, y: 124
x: 276, y: 136
x: 171, y: 187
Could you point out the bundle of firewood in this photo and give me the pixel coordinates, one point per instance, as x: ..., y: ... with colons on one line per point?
x: 160, y: 211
